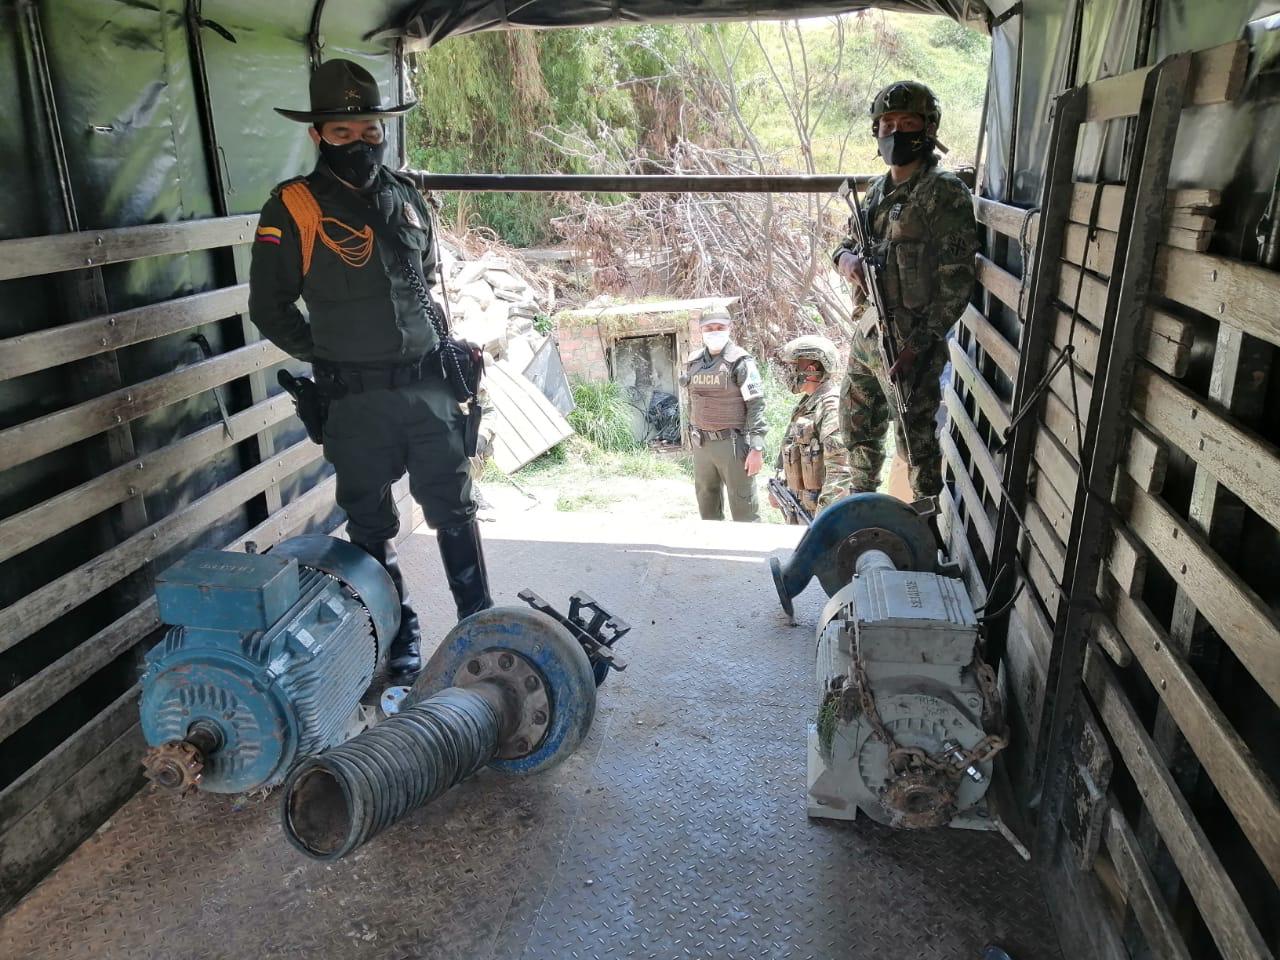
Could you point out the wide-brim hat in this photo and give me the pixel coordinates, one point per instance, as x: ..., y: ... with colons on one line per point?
x: 342, y: 90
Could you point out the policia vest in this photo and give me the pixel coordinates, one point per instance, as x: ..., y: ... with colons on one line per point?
x: 715, y: 399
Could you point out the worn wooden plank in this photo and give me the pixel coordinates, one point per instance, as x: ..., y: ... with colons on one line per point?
x: 68, y: 816
x: 1004, y: 285
x: 1096, y: 252
x: 43, y: 435
x: 1014, y: 222
x: 1059, y: 420
x: 1025, y: 673
x: 41, y: 607
x: 34, y: 256
x: 29, y: 699
x: 1046, y: 540
x: 976, y: 510
x: 1217, y: 75
x: 1000, y: 350
x: 1166, y: 343
x: 1084, y: 291
x: 1240, y: 778
x: 1243, y: 620
x: 1073, y: 386
x: 1240, y: 459
x: 29, y: 352
x: 1047, y: 588
x: 1104, y: 633
x: 1127, y: 561
x: 992, y: 407
x: 1168, y: 340
x: 1056, y: 466
x: 1146, y: 459
x: 1243, y: 295
x: 1185, y: 209
x: 1220, y: 905
x: 958, y: 548
x: 1039, y: 628
x: 1081, y: 335
x: 1055, y: 509
x: 141, y: 475
x: 61, y: 764
x: 987, y: 464
x: 1140, y: 890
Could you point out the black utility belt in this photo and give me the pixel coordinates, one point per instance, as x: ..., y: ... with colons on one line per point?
x: 339, y: 379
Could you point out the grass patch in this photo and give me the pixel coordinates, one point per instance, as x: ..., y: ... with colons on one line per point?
x: 603, y: 415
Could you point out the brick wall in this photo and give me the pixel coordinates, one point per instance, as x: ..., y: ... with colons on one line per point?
x: 582, y: 352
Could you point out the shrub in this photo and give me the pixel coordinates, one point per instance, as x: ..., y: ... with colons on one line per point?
x: 603, y: 415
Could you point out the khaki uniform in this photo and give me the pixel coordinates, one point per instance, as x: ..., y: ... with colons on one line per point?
x: 726, y: 414
x: 925, y: 241
x: 814, y: 459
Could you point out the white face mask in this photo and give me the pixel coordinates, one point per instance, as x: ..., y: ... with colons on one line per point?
x: 715, y: 340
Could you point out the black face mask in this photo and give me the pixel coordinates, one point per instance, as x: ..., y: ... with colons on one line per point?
x: 356, y: 162
x: 900, y: 148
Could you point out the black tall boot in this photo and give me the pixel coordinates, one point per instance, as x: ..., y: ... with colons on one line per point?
x: 464, y: 567
x: 404, y: 659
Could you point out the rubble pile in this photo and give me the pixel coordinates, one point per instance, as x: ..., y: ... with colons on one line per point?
x: 493, y: 302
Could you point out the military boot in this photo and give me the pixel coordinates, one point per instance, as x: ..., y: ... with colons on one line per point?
x: 404, y: 659
x: 464, y: 568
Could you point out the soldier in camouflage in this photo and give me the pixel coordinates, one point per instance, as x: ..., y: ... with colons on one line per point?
x: 813, y: 459
x: 924, y: 237
x: 726, y: 422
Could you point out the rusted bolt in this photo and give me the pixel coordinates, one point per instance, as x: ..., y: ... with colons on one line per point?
x: 473, y: 667
x: 1183, y: 568
x: 539, y: 717
x: 531, y: 684
x: 97, y: 241
x: 506, y: 661
x: 522, y: 745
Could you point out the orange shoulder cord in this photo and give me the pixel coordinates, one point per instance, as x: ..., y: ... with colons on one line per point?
x: 355, y: 246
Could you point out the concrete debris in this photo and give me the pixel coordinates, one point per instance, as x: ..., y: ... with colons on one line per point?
x: 492, y: 304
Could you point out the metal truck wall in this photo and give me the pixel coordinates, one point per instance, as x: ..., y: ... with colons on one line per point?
x: 114, y: 88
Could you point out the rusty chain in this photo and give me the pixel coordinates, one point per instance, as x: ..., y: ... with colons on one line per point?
x: 901, y: 757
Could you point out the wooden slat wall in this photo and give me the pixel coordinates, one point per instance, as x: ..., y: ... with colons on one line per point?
x: 1170, y: 873
x: 53, y: 805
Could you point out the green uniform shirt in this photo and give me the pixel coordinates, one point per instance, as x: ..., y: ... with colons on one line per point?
x: 924, y: 240
x: 822, y: 408
x: 355, y: 314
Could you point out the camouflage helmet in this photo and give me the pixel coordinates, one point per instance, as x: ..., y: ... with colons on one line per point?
x: 812, y: 347
x: 908, y: 96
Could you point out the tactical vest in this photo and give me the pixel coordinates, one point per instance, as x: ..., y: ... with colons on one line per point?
x: 803, y: 464
x: 903, y: 247
x: 715, y: 399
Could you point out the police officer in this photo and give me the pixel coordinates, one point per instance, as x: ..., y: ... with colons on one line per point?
x: 726, y: 414
x: 924, y: 238
x: 813, y: 459
x: 353, y: 240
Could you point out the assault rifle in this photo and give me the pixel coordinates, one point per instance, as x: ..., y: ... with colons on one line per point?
x: 791, y: 508
x: 888, y: 339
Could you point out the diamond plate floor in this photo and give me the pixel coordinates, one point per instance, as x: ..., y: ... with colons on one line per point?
x: 678, y: 830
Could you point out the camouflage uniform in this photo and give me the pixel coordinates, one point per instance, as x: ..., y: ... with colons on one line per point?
x: 813, y: 457
x: 925, y: 239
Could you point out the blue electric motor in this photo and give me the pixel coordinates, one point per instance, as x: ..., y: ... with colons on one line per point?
x: 265, y: 662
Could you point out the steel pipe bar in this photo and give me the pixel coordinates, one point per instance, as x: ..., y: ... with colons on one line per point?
x: 633, y: 183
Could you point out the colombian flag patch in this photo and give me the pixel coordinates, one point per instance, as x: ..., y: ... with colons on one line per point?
x: 269, y: 235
